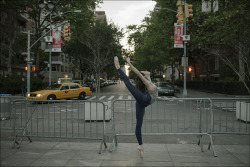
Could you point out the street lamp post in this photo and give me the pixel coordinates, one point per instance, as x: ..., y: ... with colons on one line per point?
x: 51, y: 7
x: 184, y: 54
x: 29, y: 61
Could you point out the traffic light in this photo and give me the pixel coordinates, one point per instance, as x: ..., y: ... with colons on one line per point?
x: 66, y: 31
x: 190, y: 69
x: 33, y: 68
x: 180, y: 14
x: 188, y: 10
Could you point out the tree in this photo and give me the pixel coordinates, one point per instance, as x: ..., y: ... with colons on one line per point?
x: 9, y: 12
x: 224, y: 34
x: 103, y: 41
x: 153, y: 40
x: 32, y: 10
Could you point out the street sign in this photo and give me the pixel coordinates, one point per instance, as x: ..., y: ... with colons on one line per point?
x: 48, y: 39
x: 206, y: 6
x: 31, y: 59
x: 186, y: 37
x: 178, y: 33
x: 56, y: 45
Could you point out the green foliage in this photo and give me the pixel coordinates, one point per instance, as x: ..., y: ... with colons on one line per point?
x: 12, y: 84
x: 227, y: 74
x: 153, y: 40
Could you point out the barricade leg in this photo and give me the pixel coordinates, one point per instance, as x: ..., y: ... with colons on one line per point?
x: 200, y: 143
x: 212, y: 145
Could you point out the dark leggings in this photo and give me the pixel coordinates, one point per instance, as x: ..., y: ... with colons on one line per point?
x: 142, y: 101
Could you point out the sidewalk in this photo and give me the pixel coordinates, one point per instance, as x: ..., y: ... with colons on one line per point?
x: 126, y: 154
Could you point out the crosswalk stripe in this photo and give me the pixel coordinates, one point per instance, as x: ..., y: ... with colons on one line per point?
x: 92, y: 98
x: 111, y: 97
x: 102, y: 97
x: 129, y: 97
x: 120, y: 97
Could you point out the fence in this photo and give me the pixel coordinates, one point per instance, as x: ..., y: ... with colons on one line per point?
x: 68, y: 119
x: 6, y: 111
x: 231, y: 116
x: 75, y: 119
x: 180, y: 116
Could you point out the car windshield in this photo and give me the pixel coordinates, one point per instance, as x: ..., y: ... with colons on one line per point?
x: 55, y: 87
x: 164, y: 85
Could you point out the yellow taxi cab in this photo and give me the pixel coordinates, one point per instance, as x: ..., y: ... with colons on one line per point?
x: 61, y: 91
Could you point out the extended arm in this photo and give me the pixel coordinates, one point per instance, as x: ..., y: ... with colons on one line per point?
x: 138, y: 73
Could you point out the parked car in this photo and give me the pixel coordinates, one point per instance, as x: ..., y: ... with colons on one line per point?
x: 102, y: 82
x: 165, y: 88
x: 83, y: 84
x: 79, y: 82
x: 61, y: 91
x: 110, y: 82
x: 90, y: 84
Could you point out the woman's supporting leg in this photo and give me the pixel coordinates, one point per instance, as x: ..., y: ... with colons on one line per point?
x: 140, y: 111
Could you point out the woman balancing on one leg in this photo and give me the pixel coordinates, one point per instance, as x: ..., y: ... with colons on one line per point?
x: 145, y: 93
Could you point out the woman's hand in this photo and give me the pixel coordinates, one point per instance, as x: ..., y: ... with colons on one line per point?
x: 128, y: 59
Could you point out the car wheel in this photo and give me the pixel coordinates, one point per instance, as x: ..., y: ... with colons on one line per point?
x: 51, y: 97
x: 82, y: 96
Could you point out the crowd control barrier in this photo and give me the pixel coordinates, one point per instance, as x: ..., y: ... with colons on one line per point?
x: 6, y: 111
x: 174, y: 116
x: 231, y: 116
x: 61, y: 119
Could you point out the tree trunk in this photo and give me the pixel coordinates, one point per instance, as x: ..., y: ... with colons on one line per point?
x: 241, y: 64
x: 10, y: 55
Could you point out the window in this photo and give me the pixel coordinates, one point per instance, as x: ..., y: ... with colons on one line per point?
x: 62, y: 68
x: 54, y: 68
x: 65, y: 87
x: 216, y: 63
x: 74, y: 86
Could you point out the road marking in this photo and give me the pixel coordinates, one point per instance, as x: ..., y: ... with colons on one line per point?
x: 68, y: 110
x: 129, y: 97
x: 111, y: 97
x: 120, y: 97
x: 102, y: 97
x: 92, y: 98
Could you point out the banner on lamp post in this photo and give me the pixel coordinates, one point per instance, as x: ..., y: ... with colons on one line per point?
x: 56, y: 45
x: 178, y: 33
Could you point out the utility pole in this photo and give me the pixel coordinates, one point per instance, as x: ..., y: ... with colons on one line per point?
x: 185, y: 52
x: 28, y: 64
x: 50, y: 50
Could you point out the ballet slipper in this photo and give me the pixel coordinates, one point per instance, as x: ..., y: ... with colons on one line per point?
x: 141, y: 151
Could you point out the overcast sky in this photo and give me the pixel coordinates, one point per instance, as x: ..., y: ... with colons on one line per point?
x: 126, y: 12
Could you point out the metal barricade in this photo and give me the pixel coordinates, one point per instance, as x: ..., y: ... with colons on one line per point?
x: 6, y: 111
x: 174, y: 116
x: 67, y: 119
x: 231, y: 116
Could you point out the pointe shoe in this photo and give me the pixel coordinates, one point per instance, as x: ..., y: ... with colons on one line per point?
x: 141, y: 151
x: 116, y: 62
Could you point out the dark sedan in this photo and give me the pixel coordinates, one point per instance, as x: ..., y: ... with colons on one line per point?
x: 165, y: 88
